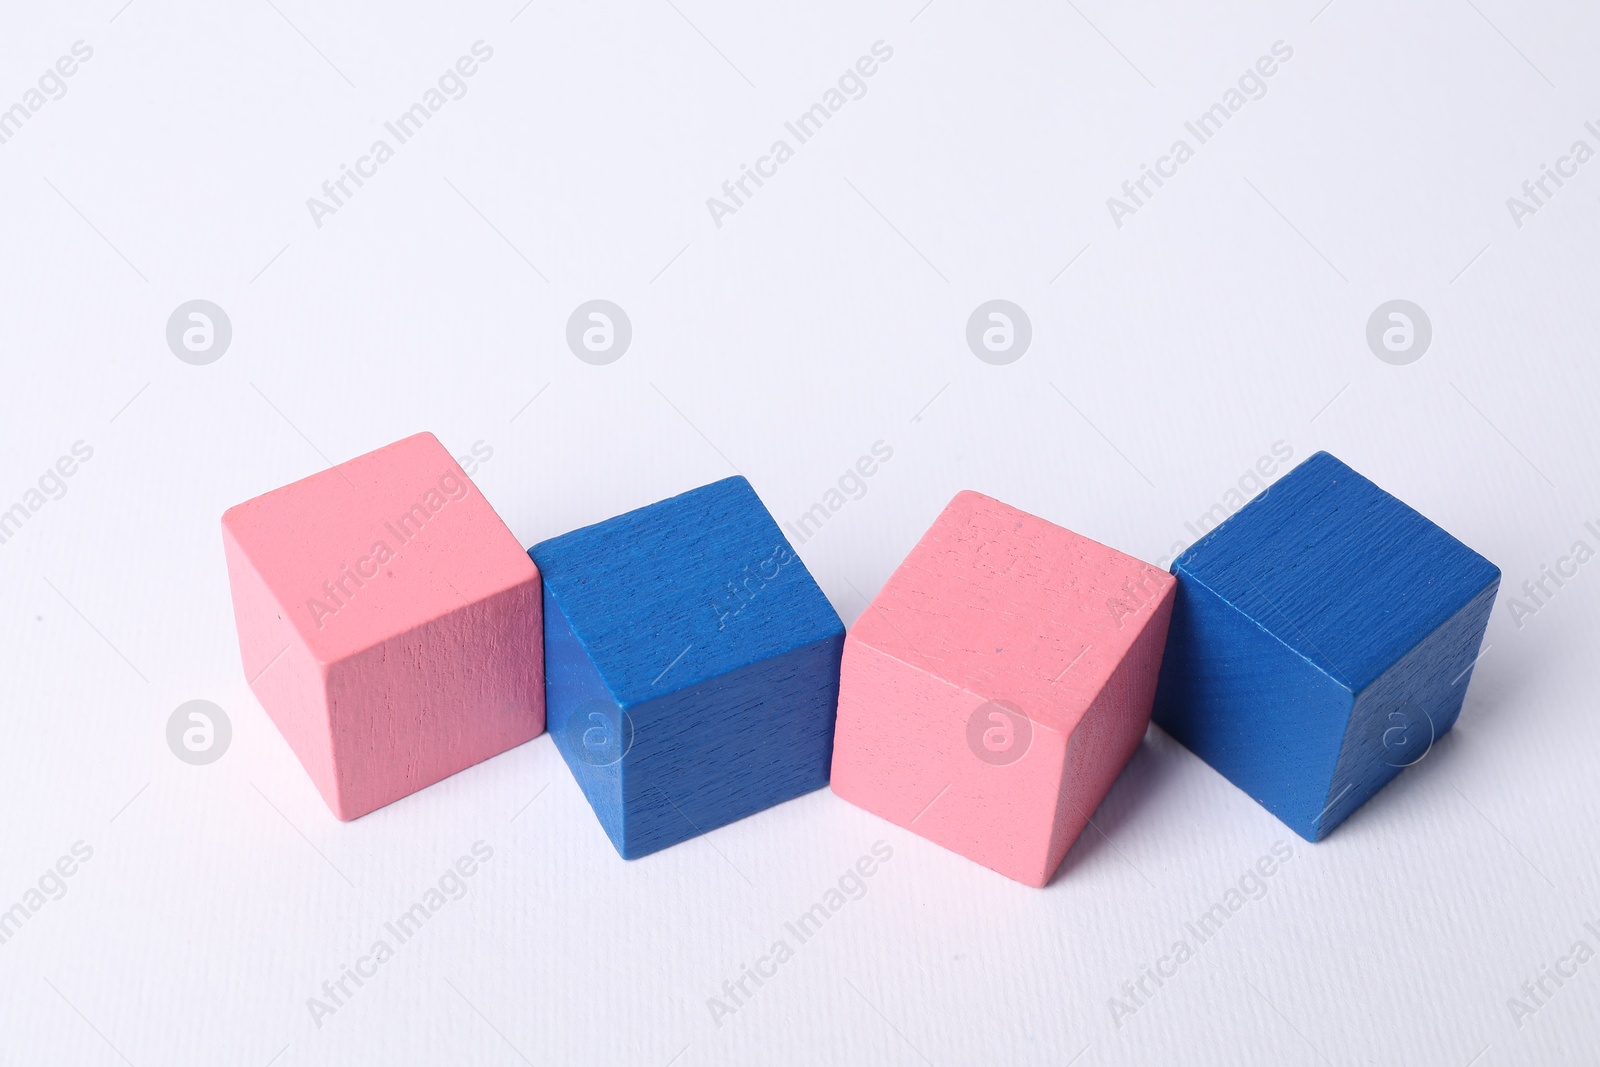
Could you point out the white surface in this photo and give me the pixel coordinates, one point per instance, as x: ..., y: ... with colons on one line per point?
x: 1226, y: 315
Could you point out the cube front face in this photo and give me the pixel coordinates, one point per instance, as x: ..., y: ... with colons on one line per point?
x: 1224, y: 686
x: 693, y: 665
x: 1322, y: 640
x: 997, y: 685
x: 761, y: 735
x: 435, y: 700
x: 977, y: 776
x: 388, y: 621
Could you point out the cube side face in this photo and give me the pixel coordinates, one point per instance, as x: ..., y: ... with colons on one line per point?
x: 1109, y: 733
x: 711, y: 754
x: 1398, y: 719
x: 683, y: 590
x: 1256, y: 711
x: 1341, y: 571
x: 282, y: 673
x: 437, y: 699
x: 589, y: 729
x: 975, y: 775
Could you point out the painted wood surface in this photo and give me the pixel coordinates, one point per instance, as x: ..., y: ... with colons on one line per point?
x: 389, y: 623
x: 1322, y: 640
x: 998, y: 683
x: 693, y: 665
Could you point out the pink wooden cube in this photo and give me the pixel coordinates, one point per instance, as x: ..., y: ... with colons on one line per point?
x: 388, y: 621
x: 997, y: 685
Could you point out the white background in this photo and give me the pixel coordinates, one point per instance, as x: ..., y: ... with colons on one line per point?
x: 1229, y: 313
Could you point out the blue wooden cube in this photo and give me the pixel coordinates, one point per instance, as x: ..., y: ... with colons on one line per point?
x: 1322, y: 639
x: 692, y: 665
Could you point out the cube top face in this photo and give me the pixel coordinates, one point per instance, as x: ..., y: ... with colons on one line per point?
x: 1009, y: 606
x: 377, y: 546
x: 1345, y: 575
x: 684, y: 590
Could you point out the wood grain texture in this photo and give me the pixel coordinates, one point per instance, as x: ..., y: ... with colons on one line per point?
x: 1323, y: 638
x: 693, y: 665
x: 388, y: 622
x: 997, y: 685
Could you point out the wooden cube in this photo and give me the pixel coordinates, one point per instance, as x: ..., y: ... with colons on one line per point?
x: 997, y: 685
x: 388, y: 622
x: 1322, y: 640
x: 693, y: 665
